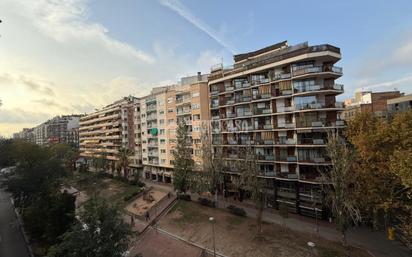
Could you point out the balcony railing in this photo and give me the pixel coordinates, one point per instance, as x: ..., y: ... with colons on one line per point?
x: 285, y: 108
x: 281, y: 76
x: 230, y: 88
x: 231, y: 115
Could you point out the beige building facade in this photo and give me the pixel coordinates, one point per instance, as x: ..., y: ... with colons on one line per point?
x: 105, y: 132
x: 161, y: 113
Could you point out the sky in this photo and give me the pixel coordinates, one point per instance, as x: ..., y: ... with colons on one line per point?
x: 72, y: 56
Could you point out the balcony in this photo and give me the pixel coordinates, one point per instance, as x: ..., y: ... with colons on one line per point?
x: 268, y: 142
x: 230, y: 102
x: 269, y: 157
x: 230, y: 88
x: 286, y: 141
x: 268, y: 126
x: 286, y: 92
x: 280, y: 76
x: 214, y: 92
x: 246, y: 99
x: 233, y: 156
x: 297, y: 71
x: 339, y: 105
x: 215, y: 117
x: 318, y: 123
x: 248, y: 113
x: 214, y: 105
x: 154, y: 162
x: 153, y: 144
x: 231, y: 115
x: 285, y: 109
x: 340, y: 123
x: 266, y: 96
x: 246, y: 85
x: 153, y: 154
x: 183, y: 112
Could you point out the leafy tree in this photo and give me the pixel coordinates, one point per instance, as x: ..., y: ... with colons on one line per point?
x: 100, y: 162
x: 123, y: 163
x: 339, y: 185
x: 66, y: 153
x: 249, y: 181
x: 183, y: 162
x: 50, y: 215
x: 382, y: 165
x: 100, y: 232
x: 6, y: 153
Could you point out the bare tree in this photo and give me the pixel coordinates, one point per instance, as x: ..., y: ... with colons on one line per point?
x: 339, y: 184
x: 249, y: 181
x: 211, y: 177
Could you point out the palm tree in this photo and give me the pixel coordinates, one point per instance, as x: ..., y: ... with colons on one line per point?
x: 123, y: 162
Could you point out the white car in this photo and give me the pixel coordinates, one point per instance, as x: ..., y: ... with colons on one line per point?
x: 7, y: 170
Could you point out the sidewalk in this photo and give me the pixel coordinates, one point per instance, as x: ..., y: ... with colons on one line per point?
x: 373, y: 241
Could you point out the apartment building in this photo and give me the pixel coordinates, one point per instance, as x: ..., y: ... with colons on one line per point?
x: 60, y: 129
x: 105, y: 132
x: 281, y: 101
x: 26, y: 134
x: 161, y: 112
x: 368, y: 101
x: 399, y: 104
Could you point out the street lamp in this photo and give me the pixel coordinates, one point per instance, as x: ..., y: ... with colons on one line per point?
x: 212, y: 220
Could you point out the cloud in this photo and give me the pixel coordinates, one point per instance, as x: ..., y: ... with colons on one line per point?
x: 18, y: 115
x: 65, y: 21
x: 36, y: 86
x: 184, y: 12
x: 404, y: 81
x: 208, y: 58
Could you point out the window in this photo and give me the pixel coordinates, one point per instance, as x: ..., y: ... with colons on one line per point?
x: 161, y: 131
x: 198, y: 152
x: 162, y: 141
x: 143, y: 115
x: 170, y: 100
x: 170, y: 110
x: 162, y: 150
x: 161, y: 112
x: 171, y: 151
x: 196, y: 117
x: 197, y: 141
x: 195, y: 106
x: 170, y: 121
x: 162, y: 161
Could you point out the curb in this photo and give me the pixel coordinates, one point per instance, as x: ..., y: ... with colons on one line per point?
x: 20, y: 221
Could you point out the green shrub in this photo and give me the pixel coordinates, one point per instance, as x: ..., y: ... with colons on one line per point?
x: 207, y: 202
x: 184, y: 197
x: 236, y: 211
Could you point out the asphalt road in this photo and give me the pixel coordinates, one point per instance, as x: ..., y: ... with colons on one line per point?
x: 12, y: 242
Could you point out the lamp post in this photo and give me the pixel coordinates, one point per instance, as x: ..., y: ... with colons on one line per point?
x: 212, y: 220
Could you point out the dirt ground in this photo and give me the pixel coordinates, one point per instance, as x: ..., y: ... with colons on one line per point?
x: 140, y: 206
x: 236, y: 236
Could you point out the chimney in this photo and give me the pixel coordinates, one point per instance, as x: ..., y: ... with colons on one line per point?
x: 199, y: 76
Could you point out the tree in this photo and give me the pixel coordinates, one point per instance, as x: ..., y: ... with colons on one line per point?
x: 49, y: 216
x: 100, y: 232
x: 123, y: 163
x: 68, y: 154
x: 249, y: 181
x: 6, y: 153
x: 211, y: 177
x: 339, y: 185
x: 183, y: 162
x: 100, y: 162
x: 382, y: 166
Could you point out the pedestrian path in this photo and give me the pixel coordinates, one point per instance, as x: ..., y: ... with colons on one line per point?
x: 374, y: 242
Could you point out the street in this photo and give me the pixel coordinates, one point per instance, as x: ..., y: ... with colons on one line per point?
x: 12, y: 242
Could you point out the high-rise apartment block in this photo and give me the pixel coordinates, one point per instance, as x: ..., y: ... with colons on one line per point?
x: 161, y: 112
x: 60, y: 129
x: 104, y: 133
x: 279, y: 100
